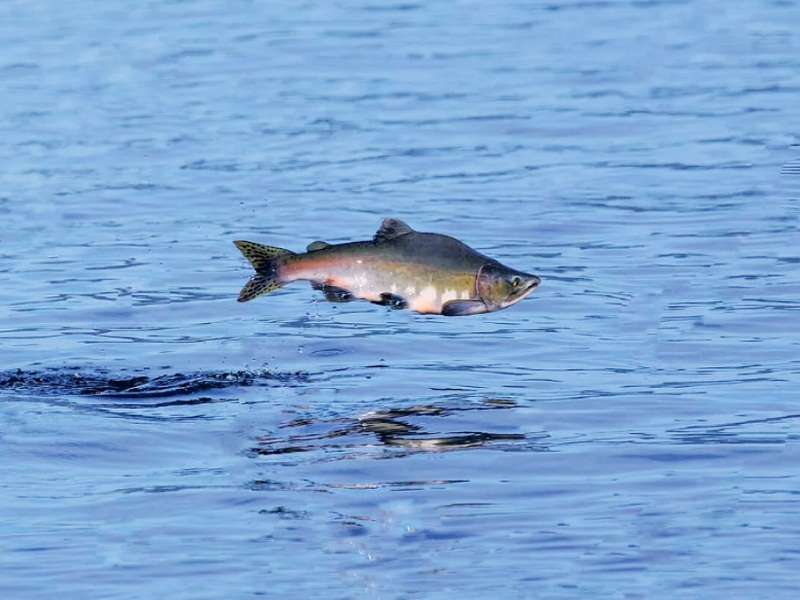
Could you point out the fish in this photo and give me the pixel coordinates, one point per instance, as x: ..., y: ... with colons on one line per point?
x: 428, y: 273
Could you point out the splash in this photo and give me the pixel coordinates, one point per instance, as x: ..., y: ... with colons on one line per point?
x: 136, y: 384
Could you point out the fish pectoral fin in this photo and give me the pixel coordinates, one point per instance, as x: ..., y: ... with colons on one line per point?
x: 458, y: 308
x: 391, y: 228
x: 258, y: 284
x: 333, y: 293
x: 392, y: 301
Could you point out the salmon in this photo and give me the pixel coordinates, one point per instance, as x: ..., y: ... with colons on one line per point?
x: 428, y: 273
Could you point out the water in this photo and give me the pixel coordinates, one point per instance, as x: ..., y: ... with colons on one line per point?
x: 628, y: 431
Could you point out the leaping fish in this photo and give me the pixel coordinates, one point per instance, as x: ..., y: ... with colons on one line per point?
x: 426, y: 272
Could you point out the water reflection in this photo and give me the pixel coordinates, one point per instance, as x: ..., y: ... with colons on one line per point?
x: 415, y: 428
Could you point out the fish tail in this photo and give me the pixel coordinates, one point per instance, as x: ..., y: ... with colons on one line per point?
x: 263, y: 258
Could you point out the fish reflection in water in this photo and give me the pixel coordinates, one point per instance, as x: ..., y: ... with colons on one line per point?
x: 396, y: 427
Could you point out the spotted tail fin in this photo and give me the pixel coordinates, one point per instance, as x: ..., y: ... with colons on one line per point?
x: 263, y: 260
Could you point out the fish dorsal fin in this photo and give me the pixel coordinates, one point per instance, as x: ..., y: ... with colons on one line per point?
x: 314, y: 246
x: 390, y: 229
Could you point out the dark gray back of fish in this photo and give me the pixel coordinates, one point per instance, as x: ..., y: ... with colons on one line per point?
x: 441, y: 251
x: 433, y: 249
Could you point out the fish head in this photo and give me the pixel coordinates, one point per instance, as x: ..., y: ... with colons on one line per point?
x: 499, y: 286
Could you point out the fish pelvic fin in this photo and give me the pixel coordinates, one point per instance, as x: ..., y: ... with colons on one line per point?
x: 263, y: 260
x: 391, y: 228
x: 333, y: 293
x: 393, y: 301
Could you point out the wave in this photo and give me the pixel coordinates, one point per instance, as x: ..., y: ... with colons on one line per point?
x: 137, y: 384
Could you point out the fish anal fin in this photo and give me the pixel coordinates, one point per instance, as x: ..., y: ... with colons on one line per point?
x: 258, y: 284
x: 318, y: 245
x: 333, y: 293
x: 390, y: 229
x: 458, y: 308
x: 259, y: 255
x: 392, y: 301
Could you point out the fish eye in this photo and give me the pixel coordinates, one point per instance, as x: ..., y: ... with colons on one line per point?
x: 515, y: 282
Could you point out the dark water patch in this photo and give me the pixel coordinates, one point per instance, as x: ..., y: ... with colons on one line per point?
x: 403, y: 485
x: 791, y: 167
x: 224, y: 166
x: 282, y: 512
x: 417, y: 428
x: 704, y: 441
x: 125, y: 264
x: 776, y: 429
x: 150, y: 298
x: 75, y: 381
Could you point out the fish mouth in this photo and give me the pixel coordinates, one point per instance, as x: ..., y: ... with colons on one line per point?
x: 531, y: 283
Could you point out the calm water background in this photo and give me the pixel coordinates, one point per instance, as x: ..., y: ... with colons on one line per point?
x: 632, y: 430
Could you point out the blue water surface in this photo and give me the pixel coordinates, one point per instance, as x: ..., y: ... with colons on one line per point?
x: 630, y: 431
